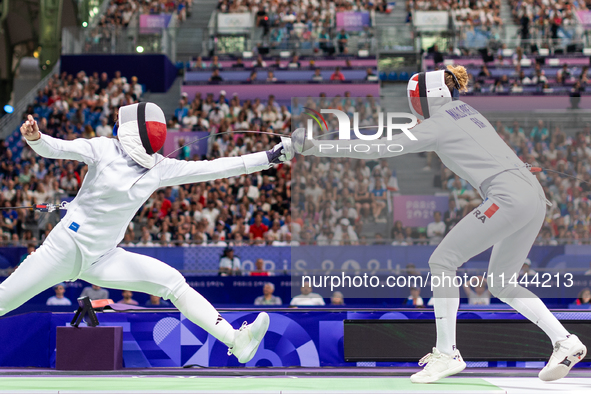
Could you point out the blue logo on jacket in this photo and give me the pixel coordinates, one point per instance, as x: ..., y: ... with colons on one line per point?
x: 74, y: 227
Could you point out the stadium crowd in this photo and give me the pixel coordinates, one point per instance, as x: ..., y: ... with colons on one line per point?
x: 305, y: 24
x: 120, y: 13
x: 318, y: 201
x: 547, y: 20
x: 465, y: 12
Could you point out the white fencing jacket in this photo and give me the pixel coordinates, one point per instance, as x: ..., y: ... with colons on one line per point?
x: 110, y: 197
x: 464, y: 140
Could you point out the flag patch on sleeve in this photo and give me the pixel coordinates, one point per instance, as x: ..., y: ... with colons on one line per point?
x: 491, y: 211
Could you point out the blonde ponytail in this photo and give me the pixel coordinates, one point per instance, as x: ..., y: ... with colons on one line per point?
x: 461, y: 75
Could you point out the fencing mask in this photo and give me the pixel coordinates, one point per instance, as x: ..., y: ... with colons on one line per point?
x: 427, y: 92
x: 142, y: 131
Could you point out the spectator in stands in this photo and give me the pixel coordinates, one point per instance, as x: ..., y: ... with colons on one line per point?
x: 135, y: 88
x: 437, y: 55
x: 415, y: 299
x: 337, y: 75
x: 259, y: 268
x: 344, y: 233
x: 198, y: 63
x: 379, y: 197
x: 584, y: 77
x: 342, y: 40
x: 500, y: 85
x: 326, y: 237
x: 215, y: 76
x: 271, y: 77
x: 215, y: 116
x: 127, y: 240
x: 317, y: 77
x: 215, y: 63
x: 70, y: 181
x: 370, y: 76
x: 275, y: 230
x: 258, y: 228
x: 104, y: 130
x: 484, y: 73
x: 239, y: 63
x: 278, y: 64
x: 230, y: 264
x: 479, y: 295
x: 540, y: 132
x: 575, y: 95
x: 259, y: 62
x: 397, y: 228
x: 539, y: 78
x: 145, y: 239
x: 337, y: 299
x: 190, y: 120
x: 584, y: 297
x: 325, y: 42
x: 95, y: 293
x: 181, y: 111
x: 268, y: 298
x: 157, y: 302
x: 59, y: 298
x: 216, y: 240
x: 436, y: 229
x: 202, y: 123
x: 294, y: 62
x: 400, y: 240
x: 252, y: 77
x: 262, y: 20
x: 516, y: 87
x: 563, y: 75
x: 127, y: 298
x: 307, y: 297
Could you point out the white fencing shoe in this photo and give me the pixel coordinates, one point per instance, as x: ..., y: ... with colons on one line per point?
x: 566, y: 354
x: 249, y: 337
x: 438, y: 366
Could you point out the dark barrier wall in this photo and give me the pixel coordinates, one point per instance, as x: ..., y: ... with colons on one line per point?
x: 154, y: 71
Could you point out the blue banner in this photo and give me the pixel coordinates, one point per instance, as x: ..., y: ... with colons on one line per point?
x: 168, y: 339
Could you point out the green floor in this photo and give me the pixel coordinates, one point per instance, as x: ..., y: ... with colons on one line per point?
x: 241, y: 385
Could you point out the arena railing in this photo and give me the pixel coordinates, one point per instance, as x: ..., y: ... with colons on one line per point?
x: 366, y: 241
x: 9, y: 122
x: 228, y: 41
x: 474, y: 38
x: 395, y: 37
x: 111, y: 40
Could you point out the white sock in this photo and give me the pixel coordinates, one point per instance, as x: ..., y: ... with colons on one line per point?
x: 446, y: 312
x: 197, y: 309
x: 535, y: 310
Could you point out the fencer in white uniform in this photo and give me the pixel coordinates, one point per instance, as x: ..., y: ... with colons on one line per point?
x: 122, y: 174
x: 509, y: 218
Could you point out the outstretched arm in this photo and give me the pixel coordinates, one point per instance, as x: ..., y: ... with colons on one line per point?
x: 80, y: 149
x: 179, y: 172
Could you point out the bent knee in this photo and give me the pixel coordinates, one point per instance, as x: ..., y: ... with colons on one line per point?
x: 504, y: 292
x: 444, y: 260
x: 178, y: 289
